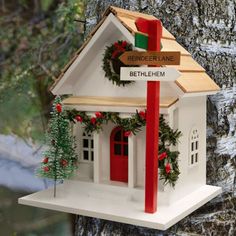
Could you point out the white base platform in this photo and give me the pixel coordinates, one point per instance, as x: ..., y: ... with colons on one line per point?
x: 117, y: 204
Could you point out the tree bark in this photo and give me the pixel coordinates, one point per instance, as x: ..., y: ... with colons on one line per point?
x: 207, y: 29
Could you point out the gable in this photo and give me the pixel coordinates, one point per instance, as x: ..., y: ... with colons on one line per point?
x: 117, y: 24
x: 86, y: 77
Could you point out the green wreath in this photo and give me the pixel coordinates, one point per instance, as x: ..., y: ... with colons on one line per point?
x: 112, y: 64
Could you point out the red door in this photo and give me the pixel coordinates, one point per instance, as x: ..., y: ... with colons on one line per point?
x: 118, y: 155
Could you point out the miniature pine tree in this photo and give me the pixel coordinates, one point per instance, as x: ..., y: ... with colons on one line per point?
x: 60, y: 159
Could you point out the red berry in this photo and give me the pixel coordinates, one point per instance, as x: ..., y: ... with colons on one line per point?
x: 124, y: 44
x: 79, y: 118
x: 168, y: 168
x: 98, y: 114
x: 127, y: 133
x: 64, y: 162
x: 59, y: 108
x: 93, y: 120
x: 45, y: 160
x: 142, y: 114
x: 46, y: 169
x: 116, y: 44
x: 114, y: 54
x: 162, y: 156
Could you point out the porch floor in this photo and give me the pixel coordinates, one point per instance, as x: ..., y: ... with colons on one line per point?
x: 117, y: 203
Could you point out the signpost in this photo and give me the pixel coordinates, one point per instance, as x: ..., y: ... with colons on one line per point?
x: 153, y: 28
x: 149, y: 38
x: 150, y: 58
x: 149, y: 74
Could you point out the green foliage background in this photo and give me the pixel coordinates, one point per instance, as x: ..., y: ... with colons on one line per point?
x: 37, y: 38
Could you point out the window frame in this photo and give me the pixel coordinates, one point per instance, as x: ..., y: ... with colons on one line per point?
x: 194, y: 140
x: 89, y: 149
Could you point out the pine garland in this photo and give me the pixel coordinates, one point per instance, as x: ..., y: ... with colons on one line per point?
x: 95, y: 123
x: 60, y: 160
x: 168, y: 160
x: 111, y: 56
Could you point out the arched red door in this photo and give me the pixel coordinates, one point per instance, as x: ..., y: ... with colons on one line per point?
x: 118, y: 155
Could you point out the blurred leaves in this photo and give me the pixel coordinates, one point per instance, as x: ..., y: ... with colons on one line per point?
x: 45, y: 4
x: 37, y: 38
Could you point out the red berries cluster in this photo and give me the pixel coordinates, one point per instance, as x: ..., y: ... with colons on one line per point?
x: 59, y: 108
x: 64, y: 162
x: 98, y: 115
x: 93, y: 120
x: 46, y: 168
x: 161, y: 157
x: 142, y: 114
x: 127, y: 133
x: 119, y: 48
x: 45, y: 161
x: 79, y: 118
x: 168, y: 168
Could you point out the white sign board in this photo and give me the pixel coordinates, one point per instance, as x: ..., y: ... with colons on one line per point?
x: 149, y: 74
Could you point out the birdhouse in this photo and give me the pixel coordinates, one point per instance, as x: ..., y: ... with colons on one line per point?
x: 116, y: 179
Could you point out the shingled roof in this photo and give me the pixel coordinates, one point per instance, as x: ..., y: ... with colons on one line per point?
x: 193, y: 76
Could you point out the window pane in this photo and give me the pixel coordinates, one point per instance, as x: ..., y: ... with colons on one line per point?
x: 196, y: 145
x: 92, y: 156
x: 125, y: 150
x: 118, y: 136
x: 85, y: 143
x: 117, y: 149
x: 192, y: 159
x: 85, y: 155
x: 125, y: 139
x: 192, y: 146
x: 91, y: 143
x: 196, y: 157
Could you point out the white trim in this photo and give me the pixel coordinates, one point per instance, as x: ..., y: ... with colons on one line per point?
x: 123, y: 110
x: 199, y: 94
x: 118, y: 203
x: 131, y: 161
x: 97, y: 157
x: 106, y: 108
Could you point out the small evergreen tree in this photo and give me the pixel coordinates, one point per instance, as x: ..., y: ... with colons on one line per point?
x: 60, y: 159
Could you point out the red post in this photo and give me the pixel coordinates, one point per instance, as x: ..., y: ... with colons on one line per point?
x: 154, y: 30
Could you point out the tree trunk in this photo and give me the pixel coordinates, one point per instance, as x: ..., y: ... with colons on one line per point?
x: 207, y: 29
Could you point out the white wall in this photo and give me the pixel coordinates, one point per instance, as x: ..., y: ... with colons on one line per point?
x: 105, y: 154
x: 89, y: 79
x: 85, y: 169
x: 85, y: 77
x: 191, y: 113
x: 141, y: 146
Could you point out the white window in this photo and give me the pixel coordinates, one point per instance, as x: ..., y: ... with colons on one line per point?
x: 194, y: 147
x: 87, y: 147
